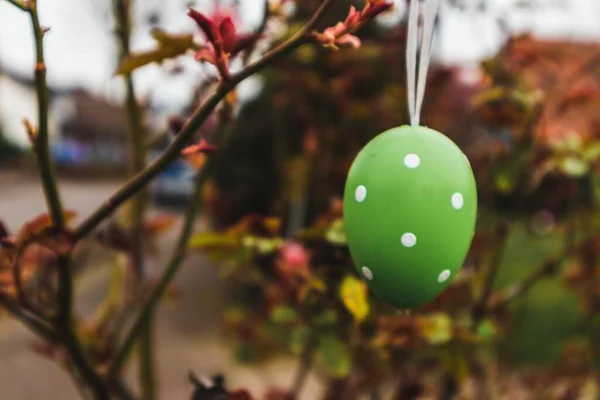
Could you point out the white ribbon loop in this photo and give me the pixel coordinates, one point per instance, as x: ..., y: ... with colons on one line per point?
x: 415, y: 97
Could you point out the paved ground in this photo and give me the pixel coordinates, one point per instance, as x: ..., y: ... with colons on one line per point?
x: 186, y: 334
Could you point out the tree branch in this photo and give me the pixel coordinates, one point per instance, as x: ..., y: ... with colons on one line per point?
x: 68, y: 337
x: 41, y: 328
x: 195, y: 122
x: 305, y: 364
x: 63, y: 322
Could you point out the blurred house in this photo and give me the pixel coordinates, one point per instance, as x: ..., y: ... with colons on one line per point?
x: 88, y: 134
x: 93, y: 137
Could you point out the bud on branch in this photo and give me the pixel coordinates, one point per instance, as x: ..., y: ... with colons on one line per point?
x: 342, y: 32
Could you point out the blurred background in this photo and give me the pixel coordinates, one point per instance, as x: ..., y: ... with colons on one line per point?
x: 515, y: 83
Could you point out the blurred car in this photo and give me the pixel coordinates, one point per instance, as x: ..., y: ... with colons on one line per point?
x: 174, y: 185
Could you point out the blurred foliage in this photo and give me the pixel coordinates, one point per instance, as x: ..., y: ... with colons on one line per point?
x: 529, y: 292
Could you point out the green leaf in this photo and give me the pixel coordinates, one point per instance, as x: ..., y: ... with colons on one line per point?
x: 334, y: 355
x: 283, y: 315
x: 353, y: 293
x: 436, y: 328
x: 168, y: 46
x: 573, y: 166
x: 262, y: 245
x: 244, y: 352
x: 336, y: 233
x: 592, y: 152
x: 326, y: 318
x: 486, y: 330
x: 298, y: 339
x: 214, y: 241
x: 573, y: 142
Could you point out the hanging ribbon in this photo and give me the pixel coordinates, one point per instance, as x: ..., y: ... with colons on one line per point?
x: 416, y: 83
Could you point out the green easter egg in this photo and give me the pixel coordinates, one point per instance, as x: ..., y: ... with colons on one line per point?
x: 410, y: 205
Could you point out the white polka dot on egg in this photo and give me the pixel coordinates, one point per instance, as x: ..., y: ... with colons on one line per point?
x: 360, y: 194
x: 457, y: 201
x: 412, y: 160
x: 409, y: 240
x: 444, y: 275
x: 367, y: 273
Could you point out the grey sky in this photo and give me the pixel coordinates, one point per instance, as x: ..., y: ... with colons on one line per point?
x: 80, y: 49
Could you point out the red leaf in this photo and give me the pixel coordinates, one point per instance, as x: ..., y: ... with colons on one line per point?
x: 244, y: 41
x: 228, y: 35
x: 206, y: 54
x: 202, y: 147
x: 206, y: 25
x: 374, y: 8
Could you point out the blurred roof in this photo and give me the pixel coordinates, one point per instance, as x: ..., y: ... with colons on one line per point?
x: 95, y: 118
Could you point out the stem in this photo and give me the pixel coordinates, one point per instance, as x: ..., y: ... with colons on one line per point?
x: 147, y: 361
x: 138, y: 156
x: 158, y: 292
x: 195, y: 122
x: 64, y: 328
x: 41, y: 144
x: 544, y: 270
x: 480, y: 308
x: 305, y: 365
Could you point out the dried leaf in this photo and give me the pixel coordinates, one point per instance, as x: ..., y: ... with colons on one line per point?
x: 168, y: 46
x: 39, y: 225
x: 353, y: 293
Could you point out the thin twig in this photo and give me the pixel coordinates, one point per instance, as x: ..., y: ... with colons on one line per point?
x: 545, y: 270
x: 19, y: 4
x: 64, y: 327
x: 41, y: 146
x: 161, y: 287
x: 516, y: 290
x: 138, y: 155
x: 195, y: 122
